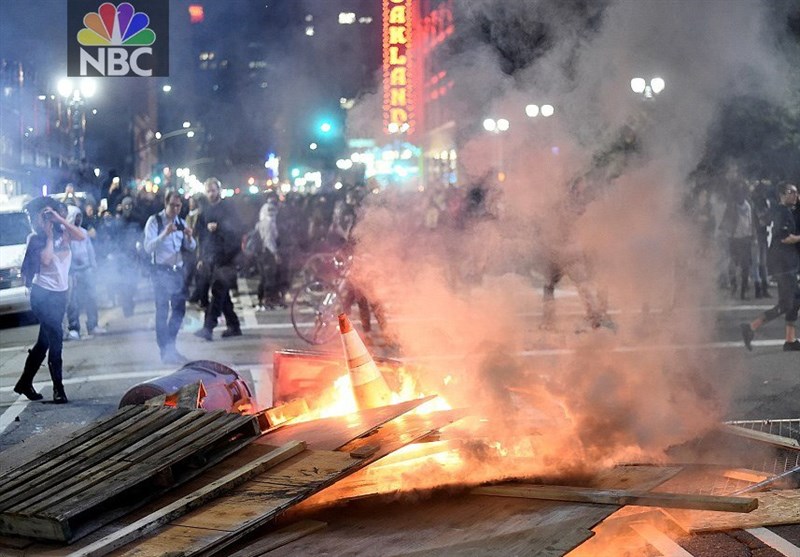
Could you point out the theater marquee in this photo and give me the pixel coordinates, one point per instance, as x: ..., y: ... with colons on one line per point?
x: 398, y: 108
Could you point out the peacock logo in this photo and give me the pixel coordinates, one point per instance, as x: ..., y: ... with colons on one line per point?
x: 109, y: 39
x: 118, y: 25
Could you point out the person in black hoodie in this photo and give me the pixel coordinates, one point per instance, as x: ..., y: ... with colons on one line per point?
x: 220, y: 244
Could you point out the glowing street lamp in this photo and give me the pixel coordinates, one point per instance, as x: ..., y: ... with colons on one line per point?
x: 534, y: 110
x: 75, y: 92
x: 640, y: 86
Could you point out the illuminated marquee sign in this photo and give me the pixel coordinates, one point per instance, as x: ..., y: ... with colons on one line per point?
x: 398, y: 109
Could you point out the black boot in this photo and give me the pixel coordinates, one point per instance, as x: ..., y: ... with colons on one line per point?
x: 59, y: 396
x: 764, y: 290
x: 24, y: 385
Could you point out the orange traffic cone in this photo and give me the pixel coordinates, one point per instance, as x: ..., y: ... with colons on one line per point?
x: 369, y: 387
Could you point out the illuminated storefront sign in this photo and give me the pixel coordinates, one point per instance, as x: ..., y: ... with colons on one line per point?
x: 398, y: 113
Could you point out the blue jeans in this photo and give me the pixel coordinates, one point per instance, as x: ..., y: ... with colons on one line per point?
x: 48, y: 307
x: 169, y: 290
x: 83, y: 296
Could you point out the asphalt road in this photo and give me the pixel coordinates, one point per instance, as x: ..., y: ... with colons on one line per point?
x: 99, y: 370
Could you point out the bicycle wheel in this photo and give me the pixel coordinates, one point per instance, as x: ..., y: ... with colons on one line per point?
x: 320, y: 266
x: 314, y: 312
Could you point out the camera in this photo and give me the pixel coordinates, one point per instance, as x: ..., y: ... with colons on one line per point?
x: 179, y: 226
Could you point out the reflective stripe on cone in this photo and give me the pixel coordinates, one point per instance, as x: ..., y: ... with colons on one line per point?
x: 369, y: 387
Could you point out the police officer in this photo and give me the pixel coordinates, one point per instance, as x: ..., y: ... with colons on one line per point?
x: 166, y: 237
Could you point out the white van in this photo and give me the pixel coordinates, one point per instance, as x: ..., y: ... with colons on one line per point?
x: 14, y: 231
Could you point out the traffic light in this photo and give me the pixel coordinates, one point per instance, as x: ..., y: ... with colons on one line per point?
x: 325, y: 127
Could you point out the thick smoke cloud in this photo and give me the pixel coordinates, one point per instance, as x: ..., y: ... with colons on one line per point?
x: 602, y: 189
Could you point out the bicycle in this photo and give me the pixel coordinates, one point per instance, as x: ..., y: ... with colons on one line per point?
x: 317, y: 303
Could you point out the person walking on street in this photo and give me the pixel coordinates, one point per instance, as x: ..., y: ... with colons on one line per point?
x: 219, y: 246
x: 166, y: 238
x: 268, y: 259
x: 46, y: 268
x: 785, y: 263
x: 737, y: 222
x: 82, y: 278
x: 126, y: 232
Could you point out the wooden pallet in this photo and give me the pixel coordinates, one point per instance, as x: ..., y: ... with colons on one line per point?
x: 113, y: 466
x: 212, y: 529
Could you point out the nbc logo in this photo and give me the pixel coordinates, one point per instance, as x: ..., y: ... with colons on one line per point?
x: 115, y: 40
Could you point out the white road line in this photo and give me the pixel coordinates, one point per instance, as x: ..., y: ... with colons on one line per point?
x: 152, y: 374
x: 776, y: 542
x: 7, y: 418
x: 663, y: 543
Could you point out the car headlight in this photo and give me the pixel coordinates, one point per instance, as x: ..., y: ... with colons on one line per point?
x: 11, y: 278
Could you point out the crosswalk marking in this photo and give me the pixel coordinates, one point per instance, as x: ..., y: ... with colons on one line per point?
x: 779, y: 544
x: 663, y: 543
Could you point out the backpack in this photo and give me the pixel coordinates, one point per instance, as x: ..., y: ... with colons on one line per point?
x: 32, y: 261
x: 252, y: 246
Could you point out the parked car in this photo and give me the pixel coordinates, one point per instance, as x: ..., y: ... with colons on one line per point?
x: 14, y: 230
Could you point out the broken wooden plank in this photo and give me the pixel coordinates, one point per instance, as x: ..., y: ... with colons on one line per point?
x: 365, y: 451
x: 762, y: 436
x: 621, y: 497
x: 189, y: 396
x: 281, y: 537
x: 774, y: 508
x: 745, y: 475
x: 332, y: 433
x: 180, y: 507
x: 286, y: 412
x: 223, y: 521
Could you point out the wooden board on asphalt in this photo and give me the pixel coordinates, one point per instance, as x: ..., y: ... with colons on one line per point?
x: 620, y: 497
x: 449, y: 522
x: 774, y: 508
x: 281, y: 537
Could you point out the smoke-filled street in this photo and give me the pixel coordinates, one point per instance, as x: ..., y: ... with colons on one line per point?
x: 530, y: 268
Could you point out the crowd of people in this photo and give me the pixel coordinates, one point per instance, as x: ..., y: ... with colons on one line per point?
x: 194, y: 250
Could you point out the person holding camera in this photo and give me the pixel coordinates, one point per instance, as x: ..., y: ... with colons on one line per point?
x: 46, y: 270
x: 166, y: 238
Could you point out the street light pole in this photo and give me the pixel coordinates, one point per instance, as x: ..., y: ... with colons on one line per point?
x: 75, y: 93
x: 497, y: 127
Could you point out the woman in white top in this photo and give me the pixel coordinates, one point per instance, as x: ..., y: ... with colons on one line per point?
x: 48, y: 249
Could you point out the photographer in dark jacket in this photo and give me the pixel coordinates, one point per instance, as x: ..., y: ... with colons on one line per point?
x: 219, y: 246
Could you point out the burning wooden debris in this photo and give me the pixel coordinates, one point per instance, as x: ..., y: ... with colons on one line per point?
x: 278, y: 485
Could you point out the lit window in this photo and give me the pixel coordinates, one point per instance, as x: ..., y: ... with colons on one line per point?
x: 310, y: 31
x: 196, y: 14
x: 347, y: 18
x: 365, y: 20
